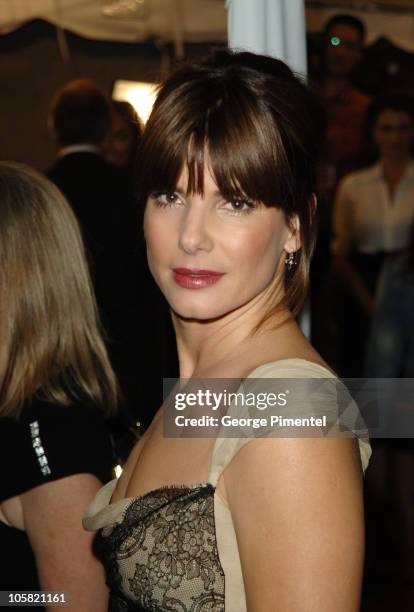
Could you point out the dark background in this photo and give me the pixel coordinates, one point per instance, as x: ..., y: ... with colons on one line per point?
x: 32, y: 69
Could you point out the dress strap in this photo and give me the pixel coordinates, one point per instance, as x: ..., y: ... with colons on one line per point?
x: 323, y: 400
x: 101, y: 513
x: 223, y: 452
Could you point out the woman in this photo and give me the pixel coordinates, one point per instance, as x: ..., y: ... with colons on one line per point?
x: 372, y: 218
x: 121, y: 144
x: 226, y: 172
x: 55, y: 377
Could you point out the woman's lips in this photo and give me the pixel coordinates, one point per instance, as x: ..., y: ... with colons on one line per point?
x: 195, y: 279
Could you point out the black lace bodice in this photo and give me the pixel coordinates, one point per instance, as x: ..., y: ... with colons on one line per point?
x: 163, y: 555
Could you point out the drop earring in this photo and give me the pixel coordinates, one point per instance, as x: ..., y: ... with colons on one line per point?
x: 290, y: 261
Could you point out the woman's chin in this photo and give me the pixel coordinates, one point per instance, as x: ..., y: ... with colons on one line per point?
x: 196, y: 315
x: 199, y: 312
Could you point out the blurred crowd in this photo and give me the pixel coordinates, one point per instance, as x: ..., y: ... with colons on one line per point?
x: 365, y: 189
x: 96, y: 140
x: 362, y: 277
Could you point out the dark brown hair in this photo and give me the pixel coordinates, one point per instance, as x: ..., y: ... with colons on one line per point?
x: 125, y: 110
x: 396, y: 101
x: 80, y: 112
x: 260, y: 125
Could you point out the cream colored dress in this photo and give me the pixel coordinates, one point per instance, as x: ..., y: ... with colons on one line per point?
x: 175, y: 548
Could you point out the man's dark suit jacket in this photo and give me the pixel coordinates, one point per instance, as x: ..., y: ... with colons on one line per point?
x: 103, y: 206
x: 134, y: 313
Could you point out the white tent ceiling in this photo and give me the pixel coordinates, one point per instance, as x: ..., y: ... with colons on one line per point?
x: 123, y: 20
x: 194, y: 20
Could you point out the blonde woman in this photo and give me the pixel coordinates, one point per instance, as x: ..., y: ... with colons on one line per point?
x: 55, y: 386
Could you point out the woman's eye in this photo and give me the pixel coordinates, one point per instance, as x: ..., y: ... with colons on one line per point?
x: 240, y: 205
x: 165, y: 198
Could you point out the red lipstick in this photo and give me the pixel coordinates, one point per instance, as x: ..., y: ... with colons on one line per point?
x: 191, y: 278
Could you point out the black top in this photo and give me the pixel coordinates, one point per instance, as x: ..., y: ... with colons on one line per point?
x: 46, y: 443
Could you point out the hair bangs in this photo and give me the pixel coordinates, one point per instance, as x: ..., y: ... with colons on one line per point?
x: 246, y: 154
x: 225, y: 133
x: 163, y: 157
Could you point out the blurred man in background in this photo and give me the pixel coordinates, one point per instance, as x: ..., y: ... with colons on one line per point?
x: 344, y: 104
x: 80, y: 118
x: 134, y: 313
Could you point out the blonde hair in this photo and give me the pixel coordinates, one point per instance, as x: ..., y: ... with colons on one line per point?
x: 50, y: 324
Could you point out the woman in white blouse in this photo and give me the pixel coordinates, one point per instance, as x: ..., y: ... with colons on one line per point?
x: 374, y: 209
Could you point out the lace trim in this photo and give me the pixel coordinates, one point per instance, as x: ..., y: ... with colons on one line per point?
x: 163, y: 555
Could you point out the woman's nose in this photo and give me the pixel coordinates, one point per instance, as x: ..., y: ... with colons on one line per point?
x: 194, y: 231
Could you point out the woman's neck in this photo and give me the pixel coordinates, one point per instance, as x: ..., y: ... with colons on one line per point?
x: 203, y: 345
x: 394, y: 164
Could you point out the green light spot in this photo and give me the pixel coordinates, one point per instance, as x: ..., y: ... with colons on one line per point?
x: 335, y: 41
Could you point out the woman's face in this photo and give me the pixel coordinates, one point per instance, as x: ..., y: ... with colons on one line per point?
x: 211, y: 256
x: 393, y: 134
x: 119, y: 145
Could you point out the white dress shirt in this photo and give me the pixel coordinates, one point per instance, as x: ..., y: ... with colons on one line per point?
x: 366, y: 218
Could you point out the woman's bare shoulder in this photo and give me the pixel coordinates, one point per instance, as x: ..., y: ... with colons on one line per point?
x: 297, y: 510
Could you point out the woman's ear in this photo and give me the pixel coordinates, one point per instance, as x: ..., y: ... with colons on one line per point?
x: 293, y: 242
